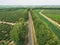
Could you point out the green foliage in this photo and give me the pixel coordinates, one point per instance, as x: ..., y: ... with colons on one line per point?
x: 19, y: 32
x: 4, y: 34
x: 4, y: 31
x: 53, y: 14
x: 44, y: 34
x: 13, y: 16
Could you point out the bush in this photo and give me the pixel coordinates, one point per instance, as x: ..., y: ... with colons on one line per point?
x: 19, y: 32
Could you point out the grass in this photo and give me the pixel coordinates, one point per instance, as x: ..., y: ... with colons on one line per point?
x: 53, y: 28
x: 53, y: 14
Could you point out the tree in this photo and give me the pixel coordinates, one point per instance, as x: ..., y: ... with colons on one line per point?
x: 19, y: 31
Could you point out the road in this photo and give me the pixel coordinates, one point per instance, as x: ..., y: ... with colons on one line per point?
x: 52, y: 21
x: 7, y: 23
x: 30, y: 33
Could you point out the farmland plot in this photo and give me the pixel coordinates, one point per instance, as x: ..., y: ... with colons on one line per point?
x: 13, y: 16
x: 17, y: 32
x: 46, y: 32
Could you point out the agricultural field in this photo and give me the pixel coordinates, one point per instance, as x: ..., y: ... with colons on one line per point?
x: 53, y: 14
x: 15, y: 24
x: 13, y: 33
x: 10, y: 15
x: 45, y: 35
x: 5, y: 33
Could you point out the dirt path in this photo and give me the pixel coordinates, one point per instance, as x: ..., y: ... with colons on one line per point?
x: 49, y: 19
x: 7, y: 23
x: 30, y: 33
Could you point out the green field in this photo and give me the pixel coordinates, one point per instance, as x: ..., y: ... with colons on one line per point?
x: 46, y: 32
x: 53, y: 14
x: 13, y: 15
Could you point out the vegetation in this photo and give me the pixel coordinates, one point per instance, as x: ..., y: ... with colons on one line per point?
x: 7, y: 32
x: 13, y: 16
x: 44, y: 34
x: 4, y: 33
x: 19, y: 32
x: 54, y: 28
x: 53, y: 14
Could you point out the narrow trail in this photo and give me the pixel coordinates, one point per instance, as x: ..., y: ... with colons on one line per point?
x: 31, y: 33
x: 2, y: 22
x: 49, y: 19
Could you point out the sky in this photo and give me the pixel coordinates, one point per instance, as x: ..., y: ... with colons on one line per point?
x: 29, y: 2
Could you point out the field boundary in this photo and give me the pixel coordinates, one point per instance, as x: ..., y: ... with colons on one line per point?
x: 49, y: 19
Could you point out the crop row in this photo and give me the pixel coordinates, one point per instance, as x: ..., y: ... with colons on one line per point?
x: 4, y: 32
x: 13, y: 16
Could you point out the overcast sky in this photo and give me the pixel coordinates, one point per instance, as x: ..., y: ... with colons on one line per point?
x: 29, y: 2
